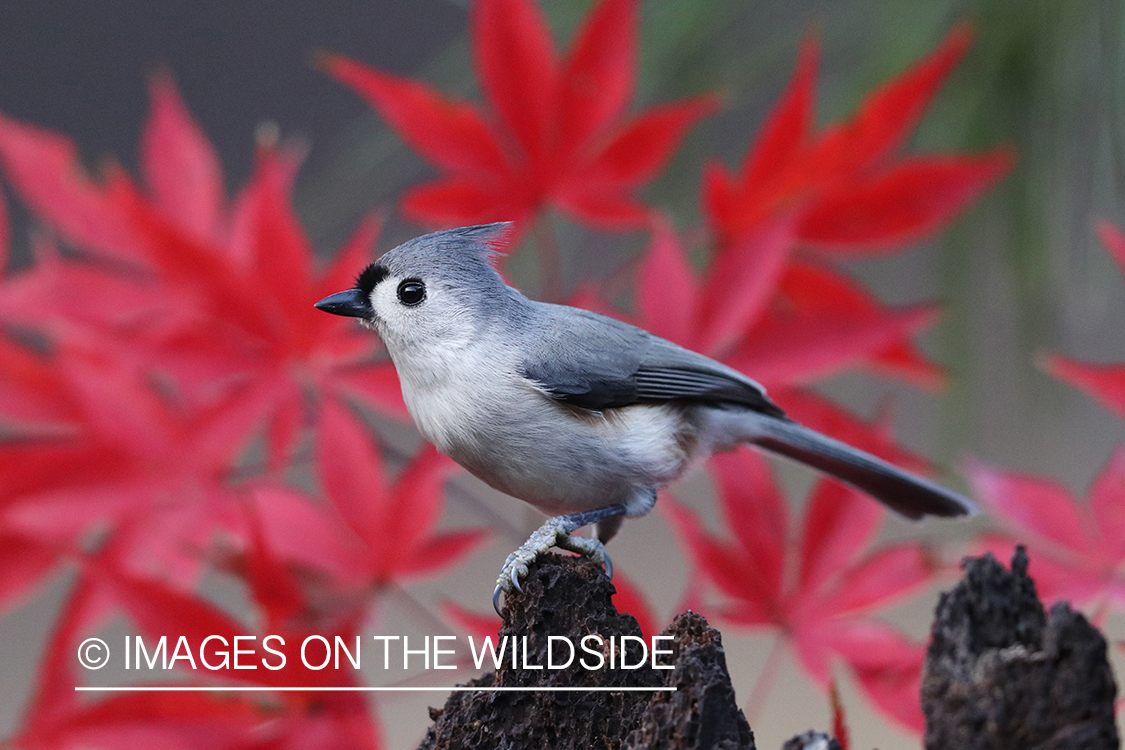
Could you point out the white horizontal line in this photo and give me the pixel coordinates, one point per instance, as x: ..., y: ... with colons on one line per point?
x: 366, y: 689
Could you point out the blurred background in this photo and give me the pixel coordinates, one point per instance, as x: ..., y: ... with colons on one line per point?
x: 1019, y: 274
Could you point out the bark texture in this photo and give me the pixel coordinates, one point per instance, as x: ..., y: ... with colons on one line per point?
x: 1002, y: 674
x: 571, y: 597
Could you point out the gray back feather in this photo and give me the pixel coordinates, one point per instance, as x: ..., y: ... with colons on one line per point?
x: 597, y: 362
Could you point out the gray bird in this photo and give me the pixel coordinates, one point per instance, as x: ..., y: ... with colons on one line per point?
x: 581, y: 415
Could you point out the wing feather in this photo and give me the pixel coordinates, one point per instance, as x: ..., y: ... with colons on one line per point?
x: 595, y: 362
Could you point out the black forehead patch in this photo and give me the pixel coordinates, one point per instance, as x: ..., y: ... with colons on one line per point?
x: 370, y: 277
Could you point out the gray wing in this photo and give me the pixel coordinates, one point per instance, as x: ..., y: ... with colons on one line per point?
x: 595, y: 362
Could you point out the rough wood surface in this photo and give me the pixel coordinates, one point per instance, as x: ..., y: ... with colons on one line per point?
x: 570, y: 597
x: 1001, y: 674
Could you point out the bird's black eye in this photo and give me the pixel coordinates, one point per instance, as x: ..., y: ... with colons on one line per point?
x: 411, y: 292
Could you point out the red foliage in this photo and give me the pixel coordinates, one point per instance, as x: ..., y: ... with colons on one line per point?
x: 817, y: 590
x: 842, y: 187
x: 241, y: 720
x: 1077, y: 550
x: 807, y: 322
x: 768, y: 307
x: 186, y: 332
x: 102, y: 446
x: 221, y: 308
x: 788, y: 322
x: 376, y: 532
x: 556, y: 130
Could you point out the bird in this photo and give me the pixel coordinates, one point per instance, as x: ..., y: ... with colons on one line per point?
x: 581, y: 415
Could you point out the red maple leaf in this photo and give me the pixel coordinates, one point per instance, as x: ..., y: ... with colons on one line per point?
x: 1105, y: 382
x: 888, y: 667
x: 1077, y: 550
x: 805, y: 322
x: 90, y: 442
x: 787, y: 319
x: 43, y: 448
x: 97, y: 444
x: 816, y: 590
x: 286, y: 720
x: 217, y: 297
x: 196, y: 328
x: 843, y: 186
x: 375, y: 532
x: 555, y: 131
x: 785, y: 322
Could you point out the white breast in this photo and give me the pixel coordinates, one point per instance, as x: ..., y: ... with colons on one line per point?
x: 442, y: 389
x: 562, y: 460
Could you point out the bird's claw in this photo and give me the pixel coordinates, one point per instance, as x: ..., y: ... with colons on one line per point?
x: 513, y: 579
x: 589, y: 548
x: 555, y: 532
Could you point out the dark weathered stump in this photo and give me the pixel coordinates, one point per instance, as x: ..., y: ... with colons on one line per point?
x: 702, y: 713
x: 1002, y: 675
x: 571, y: 597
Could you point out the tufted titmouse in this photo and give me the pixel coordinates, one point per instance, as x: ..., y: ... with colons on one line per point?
x: 581, y: 415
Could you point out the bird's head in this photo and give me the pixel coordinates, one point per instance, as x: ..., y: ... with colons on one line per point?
x: 431, y: 291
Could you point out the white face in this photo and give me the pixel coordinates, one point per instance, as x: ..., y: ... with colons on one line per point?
x: 415, y: 315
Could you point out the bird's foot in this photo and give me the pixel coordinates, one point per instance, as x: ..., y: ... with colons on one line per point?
x: 587, y: 547
x: 556, y: 532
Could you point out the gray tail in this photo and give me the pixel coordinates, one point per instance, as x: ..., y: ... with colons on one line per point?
x: 899, y: 490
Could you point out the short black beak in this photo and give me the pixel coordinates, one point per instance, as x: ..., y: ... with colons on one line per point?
x: 351, y: 303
